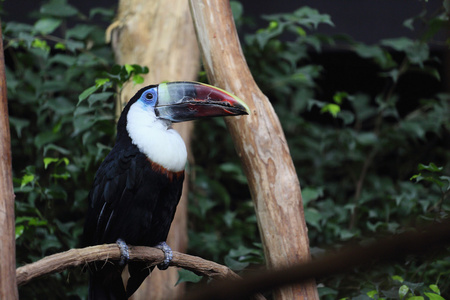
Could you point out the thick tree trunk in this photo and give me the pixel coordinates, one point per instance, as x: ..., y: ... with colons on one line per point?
x: 261, y: 144
x: 8, y: 287
x: 159, y: 34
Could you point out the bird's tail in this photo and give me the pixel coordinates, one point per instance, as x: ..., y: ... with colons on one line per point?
x: 138, y: 272
x: 106, y: 284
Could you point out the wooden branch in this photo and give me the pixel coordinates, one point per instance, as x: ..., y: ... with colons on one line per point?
x: 76, y: 257
x: 82, y: 257
x: 260, y: 143
x: 8, y: 287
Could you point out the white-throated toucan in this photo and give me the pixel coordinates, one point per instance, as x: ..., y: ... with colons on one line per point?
x: 138, y: 185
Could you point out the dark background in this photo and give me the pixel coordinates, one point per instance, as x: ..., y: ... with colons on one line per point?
x: 367, y: 21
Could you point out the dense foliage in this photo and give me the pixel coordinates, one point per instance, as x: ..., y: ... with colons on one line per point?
x: 372, y: 157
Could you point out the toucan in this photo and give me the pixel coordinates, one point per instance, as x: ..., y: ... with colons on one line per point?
x: 138, y: 185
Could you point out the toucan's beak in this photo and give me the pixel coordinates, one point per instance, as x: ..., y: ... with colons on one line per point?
x: 185, y: 101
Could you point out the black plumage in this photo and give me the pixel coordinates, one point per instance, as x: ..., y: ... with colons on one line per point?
x: 132, y: 199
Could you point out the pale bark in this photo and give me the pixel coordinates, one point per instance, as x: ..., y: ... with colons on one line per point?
x: 8, y: 287
x: 260, y: 143
x: 82, y: 257
x: 159, y: 34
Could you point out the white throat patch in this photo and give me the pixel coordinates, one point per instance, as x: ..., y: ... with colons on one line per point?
x: 155, y: 138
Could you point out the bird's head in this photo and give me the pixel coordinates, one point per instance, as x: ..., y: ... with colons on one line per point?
x: 146, y: 119
x: 185, y: 101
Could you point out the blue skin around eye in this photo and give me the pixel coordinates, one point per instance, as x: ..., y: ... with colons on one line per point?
x: 151, y: 101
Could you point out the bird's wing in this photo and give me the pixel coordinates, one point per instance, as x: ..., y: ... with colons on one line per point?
x: 131, y: 200
x: 114, y: 188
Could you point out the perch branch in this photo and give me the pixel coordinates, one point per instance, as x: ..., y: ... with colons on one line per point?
x: 75, y: 257
x: 83, y: 256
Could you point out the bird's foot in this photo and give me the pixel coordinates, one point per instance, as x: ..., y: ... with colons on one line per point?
x: 124, y: 252
x: 168, y: 255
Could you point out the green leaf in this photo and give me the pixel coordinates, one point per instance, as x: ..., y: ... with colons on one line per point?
x: 236, y: 9
x: 47, y: 25
x: 86, y: 93
x: 60, y: 46
x: 403, y: 291
x: 397, y: 278
x: 138, y: 79
x: 58, y: 9
x: 372, y: 293
x: 19, y: 230
x: 73, y: 46
x: 48, y: 161
x: 430, y: 167
x: 399, y: 44
x: 55, y: 148
x: 128, y: 68
x: 235, y: 171
x: 436, y: 24
x: 445, y: 178
x: 99, y: 82
x: 26, y: 179
x: 79, y: 32
x: 242, y: 251
x: 228, y: 218
x: 434, y: 296
x: 311, y: 194
x: 418, y: 54
x: 367, y: 138
x: 46, y: 137
x: 313, y: 217
x: 234, y: 264
x: 331, y: 108
x: 108, y: 13
x: 435, y: 288
x: 325, y: 291
x: 339, y: 97
x: 15, y: 27
x: 37, y: 222
x: 66, y: 60
x: 408, y: 23
x: 187, y: 276
x: 309, y: 16
x: 99, y: 97
x: 65, y: 160
x: 40, y: 44
x: 18, y: 124
x: 347, y: 117
x: 376, y: 53
x: 64, y: 176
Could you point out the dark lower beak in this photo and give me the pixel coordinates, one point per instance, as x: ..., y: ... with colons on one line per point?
x: 185, y: 101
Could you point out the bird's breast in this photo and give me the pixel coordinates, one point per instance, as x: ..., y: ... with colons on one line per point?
x: 165, y: 172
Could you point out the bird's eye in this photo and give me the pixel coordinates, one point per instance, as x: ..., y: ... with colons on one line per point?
x: 149, y: 96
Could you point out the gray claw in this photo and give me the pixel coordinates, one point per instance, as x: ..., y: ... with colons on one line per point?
x: 124, y: 252
x: 168, y: 255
